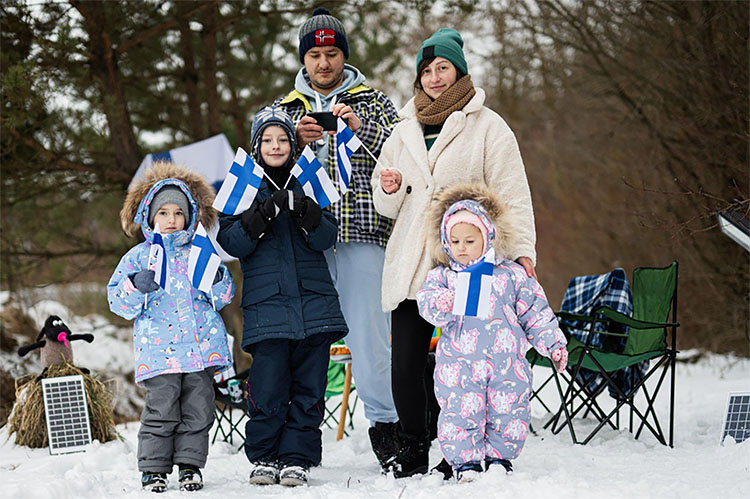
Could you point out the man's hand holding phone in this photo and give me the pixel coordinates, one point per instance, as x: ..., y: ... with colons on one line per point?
x: 348, y: 115
x: 308, y: 130
x: 312, y: 125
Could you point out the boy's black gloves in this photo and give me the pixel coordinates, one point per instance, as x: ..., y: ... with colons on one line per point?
x: 144, y: 281
x: 256, y: 219
x: 306, y: 213
x: 281, y: 199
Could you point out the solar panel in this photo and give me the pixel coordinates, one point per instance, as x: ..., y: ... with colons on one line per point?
x: 67, y: 414
x: 737, y: 419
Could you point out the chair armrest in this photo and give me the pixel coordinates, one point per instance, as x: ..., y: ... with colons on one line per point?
x: 569, y: 316
x: 615, y: 316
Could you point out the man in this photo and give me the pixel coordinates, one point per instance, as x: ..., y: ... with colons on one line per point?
x: 327, y: 83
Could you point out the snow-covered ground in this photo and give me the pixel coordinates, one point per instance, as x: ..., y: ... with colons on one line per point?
x: 613, y: 464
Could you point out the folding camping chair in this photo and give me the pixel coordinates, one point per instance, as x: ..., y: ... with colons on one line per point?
x: 654, y: 295
x: 340, y: 384
x: 231, y: 415
x: 584, y: 295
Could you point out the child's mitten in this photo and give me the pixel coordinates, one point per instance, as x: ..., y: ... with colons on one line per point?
x: 256, y: 219
x: 281, y: 199
x: 144, y: 281
x: 560, y: 359
x: 306, y: 213
x: 444, y: 301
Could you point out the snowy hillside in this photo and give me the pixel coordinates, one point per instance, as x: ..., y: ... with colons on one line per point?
x: 613, y: 465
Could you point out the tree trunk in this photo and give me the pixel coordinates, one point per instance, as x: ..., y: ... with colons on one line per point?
x: 190, y: 73
x: 210, y: 83
x: 104, y: 69
x: 239, y: 119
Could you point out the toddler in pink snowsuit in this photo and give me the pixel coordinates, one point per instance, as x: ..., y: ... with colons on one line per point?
x: 482, y: 377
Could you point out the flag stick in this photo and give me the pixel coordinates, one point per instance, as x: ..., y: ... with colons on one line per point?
x: 145, y: 295
x: 270, y: 180
x: 287, y: 181
x: 370, y: 153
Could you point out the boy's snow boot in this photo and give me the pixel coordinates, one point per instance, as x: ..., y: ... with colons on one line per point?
x: 385, y: 444
x: 413, y: 457
x: 190, y: 478
x: 495, y: 462
x: 264, y: 473
x: 444, y: 469
x: 294, y: 476
x: 468, y: 472
x: 154, y: 482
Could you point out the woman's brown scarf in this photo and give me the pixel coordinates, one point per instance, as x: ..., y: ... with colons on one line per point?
x: 455, y: 97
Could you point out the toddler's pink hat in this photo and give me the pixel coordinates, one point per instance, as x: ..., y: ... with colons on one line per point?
x: 467, y: 217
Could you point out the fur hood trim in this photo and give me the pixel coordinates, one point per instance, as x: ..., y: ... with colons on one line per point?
x: 489, y: 203
x: 199, y: 192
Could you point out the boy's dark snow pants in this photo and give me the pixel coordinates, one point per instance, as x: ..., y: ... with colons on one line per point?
x: 286, y: 400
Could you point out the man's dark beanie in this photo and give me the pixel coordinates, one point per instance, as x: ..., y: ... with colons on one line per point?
x: 321, y: 30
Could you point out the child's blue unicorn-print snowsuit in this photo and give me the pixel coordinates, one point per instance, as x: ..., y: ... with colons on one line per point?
x: 179, y: 332
x: 482, y: 377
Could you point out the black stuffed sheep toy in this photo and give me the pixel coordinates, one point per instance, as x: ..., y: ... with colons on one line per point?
x: 54, y: 340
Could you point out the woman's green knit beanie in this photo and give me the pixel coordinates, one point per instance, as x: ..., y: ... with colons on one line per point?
x: 445, y: 42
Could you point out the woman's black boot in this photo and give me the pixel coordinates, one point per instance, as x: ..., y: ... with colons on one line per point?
x: 413, y: 456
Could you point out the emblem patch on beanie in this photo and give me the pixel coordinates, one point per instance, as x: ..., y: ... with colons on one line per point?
x: 325, y: 37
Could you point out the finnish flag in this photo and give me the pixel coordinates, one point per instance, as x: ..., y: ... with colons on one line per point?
x: 346, y: 144
x: 314, y: 180
x: 204, y: 260
x: 473, y: 288
x: 157, y: 260
x: 240, y: 185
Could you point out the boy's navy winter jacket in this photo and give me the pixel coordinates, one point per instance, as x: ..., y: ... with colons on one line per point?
x: 287, y: 291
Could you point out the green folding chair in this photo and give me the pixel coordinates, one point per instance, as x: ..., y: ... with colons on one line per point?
x: 340, y: 384
x: 654, y: 295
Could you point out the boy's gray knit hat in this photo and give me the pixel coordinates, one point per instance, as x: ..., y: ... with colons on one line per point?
x: 322, y: 29
x: 169, y: 194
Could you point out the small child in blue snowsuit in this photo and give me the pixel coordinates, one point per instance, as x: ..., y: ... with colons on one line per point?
x: 482, y: 378
x: 290, y: 308
x: 178, y: 336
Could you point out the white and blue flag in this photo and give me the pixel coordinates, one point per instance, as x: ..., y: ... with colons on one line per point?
x: 204, y: 260
x: 314, y: 180
x: 473, y: 288
x: 346, y: 144
x: 157, y: 260
x: 240, y: 186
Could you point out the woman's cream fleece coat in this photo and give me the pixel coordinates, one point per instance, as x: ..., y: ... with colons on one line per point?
x: 474, y: 145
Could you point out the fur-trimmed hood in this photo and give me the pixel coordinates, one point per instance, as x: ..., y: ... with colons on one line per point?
x: 482, y: 202
x: 196, y: 188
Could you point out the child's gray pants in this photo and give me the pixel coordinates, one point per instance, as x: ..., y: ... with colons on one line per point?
x: 176, y: 420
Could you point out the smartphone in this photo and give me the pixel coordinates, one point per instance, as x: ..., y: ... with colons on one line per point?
x: 327, y: 120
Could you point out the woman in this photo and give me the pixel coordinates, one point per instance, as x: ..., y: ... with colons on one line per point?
x: 446, y: 136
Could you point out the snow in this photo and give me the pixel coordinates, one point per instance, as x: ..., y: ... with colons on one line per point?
x: 613, y: 463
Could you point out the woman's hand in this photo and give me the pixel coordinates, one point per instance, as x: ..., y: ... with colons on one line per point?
x: 348, y: 115
x: 390, y: 180
x: 526, y: 262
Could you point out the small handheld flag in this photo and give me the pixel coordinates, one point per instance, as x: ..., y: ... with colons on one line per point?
x: 204, y: 260
x: 314, y: 180
x: 157, y: 258
x: 240, y: 186
x: 347, y: 144
x: 157, y: 261
x: 473, y: 287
